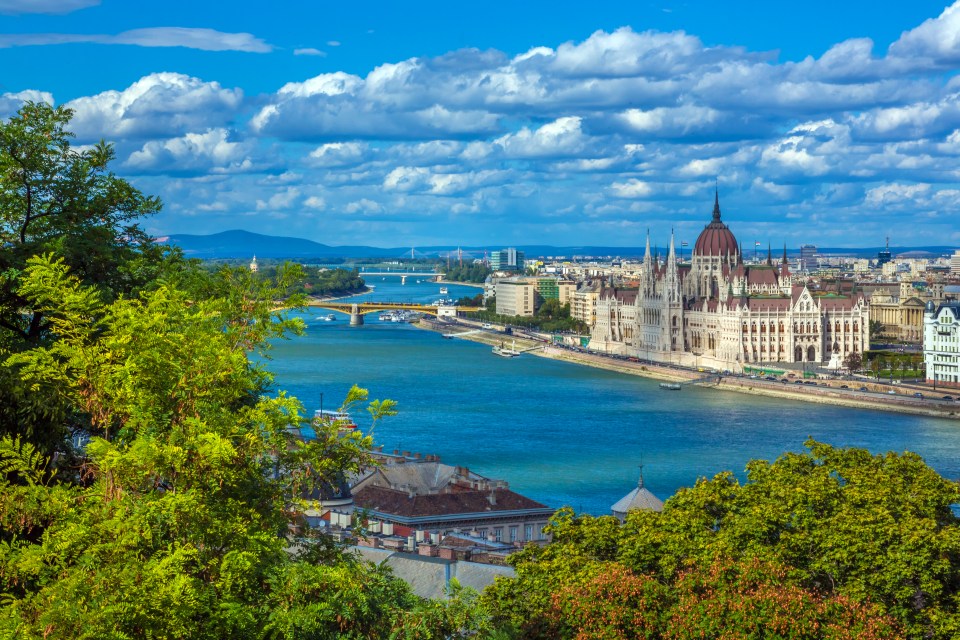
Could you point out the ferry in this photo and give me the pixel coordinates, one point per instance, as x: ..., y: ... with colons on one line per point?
x: 506, y: 352
x: 340, y: 419
x: 670, y: 386
x: 443, y: 291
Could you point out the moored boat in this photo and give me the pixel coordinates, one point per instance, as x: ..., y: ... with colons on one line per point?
x: 506, y: 352
x: 340, y: 419
x: 670, y: 386
x: 443, y: 291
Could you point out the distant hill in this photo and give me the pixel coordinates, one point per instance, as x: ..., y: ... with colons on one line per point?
x: 245, y: 244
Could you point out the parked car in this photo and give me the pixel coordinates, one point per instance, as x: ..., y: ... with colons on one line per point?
x: 843, y: 386
x: 948, y: 397
x: 891, y: 392
x: 862, y: 389
x: 918, y: 395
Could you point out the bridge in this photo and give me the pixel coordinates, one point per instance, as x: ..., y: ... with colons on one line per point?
x: 357, y: 310
x: 431, y: 275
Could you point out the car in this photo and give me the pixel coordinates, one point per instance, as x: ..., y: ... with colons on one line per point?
x: 918, y: 395
x: 843, y: 386
x: 810, y: 382
x: 948, y: 397
x: 783, y: 380
x: 487, y: 325
x: 798, y: 382
x: 891, y: 392
x: 770, y: 378
x: 862, y: 389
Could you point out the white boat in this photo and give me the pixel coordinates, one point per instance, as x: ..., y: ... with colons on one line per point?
x: 506, y: 352
x: 443, y: 291
x: 340, y: 419
x: 328, y: 318
x: 670, y: 386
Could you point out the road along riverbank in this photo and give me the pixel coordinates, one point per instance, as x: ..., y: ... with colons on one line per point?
x: 877, y: 396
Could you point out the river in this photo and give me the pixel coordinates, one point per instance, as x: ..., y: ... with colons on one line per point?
x: 561, y: 433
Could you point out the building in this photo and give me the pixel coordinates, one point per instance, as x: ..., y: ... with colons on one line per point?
x: 516, y: 297
x: 719, y: 312
x: 900, y: 309
x: 507, y: 260
x: 253, y: 265
x: 583, y: 306
x: 556, y: 289
x: 941, y: 343
x: 809, y: 260
x: 640, y: 498
x: 883, y: 256
x: 955, y: 263
x: 435, y: 499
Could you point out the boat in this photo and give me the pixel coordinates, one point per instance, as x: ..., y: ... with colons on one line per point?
x: 670, y: 386
x: 443, y: 291
x: 340, y: 419
x: 506, y: 352
x: 328, y: 318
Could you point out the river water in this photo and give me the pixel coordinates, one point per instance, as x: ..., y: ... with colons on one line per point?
x: 561, y: 433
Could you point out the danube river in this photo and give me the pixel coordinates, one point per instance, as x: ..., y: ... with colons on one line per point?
x: 561, y: 433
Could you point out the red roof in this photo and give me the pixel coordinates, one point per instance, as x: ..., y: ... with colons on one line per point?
x: 716, y: 239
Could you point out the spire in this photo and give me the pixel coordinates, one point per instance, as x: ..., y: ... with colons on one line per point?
x: 640, y: 481
x: 646, y: 256
x: 716, y: 205
x: 784, y: 253
x: 769, y: 256
x: 672, y: 256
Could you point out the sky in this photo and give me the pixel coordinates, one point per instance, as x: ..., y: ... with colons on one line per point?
x: 562, y: 123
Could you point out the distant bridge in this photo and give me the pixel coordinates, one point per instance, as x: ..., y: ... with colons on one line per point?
x: 357, y: 310
x: 430, y: 275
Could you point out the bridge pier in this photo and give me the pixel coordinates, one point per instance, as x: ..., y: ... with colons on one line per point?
x: 356, y: 318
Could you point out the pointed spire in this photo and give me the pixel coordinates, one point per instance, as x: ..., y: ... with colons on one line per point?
x: 640, y: 481
x: 672, y: 256
x: 716, y: 205
x: 784, y: 253
x: 769, y: 256
x: 646, y: 256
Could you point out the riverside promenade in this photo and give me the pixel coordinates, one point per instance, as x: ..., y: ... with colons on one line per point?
x: 877, y: 395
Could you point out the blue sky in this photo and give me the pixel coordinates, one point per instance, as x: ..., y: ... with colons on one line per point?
x: 565, y: 123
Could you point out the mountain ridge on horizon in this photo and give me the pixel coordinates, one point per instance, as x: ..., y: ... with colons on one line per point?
x: 239, y: 243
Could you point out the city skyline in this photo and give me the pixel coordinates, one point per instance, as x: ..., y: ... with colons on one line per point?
x: 539, y: 124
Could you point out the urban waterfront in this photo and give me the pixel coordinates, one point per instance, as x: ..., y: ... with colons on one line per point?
x: 561, y: 433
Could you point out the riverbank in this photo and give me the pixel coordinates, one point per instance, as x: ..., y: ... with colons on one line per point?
x: 878, y: 395
x: 475, y: 285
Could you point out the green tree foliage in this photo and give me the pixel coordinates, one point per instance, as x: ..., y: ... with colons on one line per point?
x: 171, y: 516
x: 54, y: 198
x: 467, y: 273
x: 329, y: 282
x: 833, y: 543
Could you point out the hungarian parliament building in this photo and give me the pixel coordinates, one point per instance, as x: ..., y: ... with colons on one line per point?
x: 721, y: 313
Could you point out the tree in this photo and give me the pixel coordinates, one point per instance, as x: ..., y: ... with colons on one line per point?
x: 54, y: 198
x: 827, y: 543
x: 876, y: 329
x: 853, y: 361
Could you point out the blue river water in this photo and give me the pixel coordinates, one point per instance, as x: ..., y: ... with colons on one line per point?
x: 561, y: 433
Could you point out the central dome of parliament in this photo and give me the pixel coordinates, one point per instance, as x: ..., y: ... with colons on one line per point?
x: 716, y: 239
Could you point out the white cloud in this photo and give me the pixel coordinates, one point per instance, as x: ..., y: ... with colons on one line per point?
x: 283, y: 199
x: 17, y: 7
x: 161, y: 104
x: 333, y: 43
x: 203, y: 39
x: 339, y: 154
x: 315, y: 202
x: 364, y: 205
x: 632, y: 188
x: 10, y: 103
x: 211, y: 151
x: 309, y: 51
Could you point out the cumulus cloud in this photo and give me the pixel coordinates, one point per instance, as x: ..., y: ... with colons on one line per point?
x: 10, y: 103
x: 309, y: 51
x: 158, y: 105
x: 211, y: 152
x: 17, y: 7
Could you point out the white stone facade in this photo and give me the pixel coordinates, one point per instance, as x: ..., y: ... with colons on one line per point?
x: 941, y: 343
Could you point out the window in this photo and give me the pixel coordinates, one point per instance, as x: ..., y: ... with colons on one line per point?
x: 528, y: 532
x: 498, y: 534
x: 540, y: 534
x: 513, y: 534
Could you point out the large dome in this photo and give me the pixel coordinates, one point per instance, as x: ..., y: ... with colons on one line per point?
x: 716, y: 239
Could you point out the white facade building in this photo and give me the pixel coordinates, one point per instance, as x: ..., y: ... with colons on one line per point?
x: 941, y: 343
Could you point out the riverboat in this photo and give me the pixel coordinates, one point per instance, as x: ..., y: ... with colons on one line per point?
x: 670, y: 386
x: 443, y: 291
x: 340, y: 419
x: 506, y: 352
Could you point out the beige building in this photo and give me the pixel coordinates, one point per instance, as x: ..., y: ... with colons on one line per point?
x: 900, y: 307
x: 583, y: 304
x: 516, y: 297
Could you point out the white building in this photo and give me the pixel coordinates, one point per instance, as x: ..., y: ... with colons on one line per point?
x: 941, y: 343
x: 516, y: 297
x: 719, y: 312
